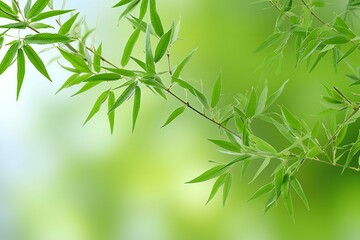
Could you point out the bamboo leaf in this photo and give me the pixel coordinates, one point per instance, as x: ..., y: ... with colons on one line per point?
x: 20, y: 71
x: 163, y: 45
x: 36, y: 61
x: 129, y: 91
x: 66, y: 27
x: 129, y: 47
x: 216, y: 93
x: 275, y: 95
x: 261, y: 168
x: 49, y: 14
x: 111, y: 115
x: 210, y: 174
x: 155, y: 19
x: 9, y: 57
x: 46, y: 38
x: 261, y: 191
x: 219, y: 182
x: 225, y: 145
x: 102, y: 98
x: 143, y: 8
x: 136, y: 108
x: 37, y: 8
x: 121, y: 3
x: 300, y: 192
x: 227, y: 186
x: 150, y: 65
x: 97, y: 59
x: 252, y: 103
x: 181, y: 66
x: 174, y: 115
x: 103, y: 77
x: 75, y: 60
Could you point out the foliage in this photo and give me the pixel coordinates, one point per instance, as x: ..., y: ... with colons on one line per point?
x: 296, y: 21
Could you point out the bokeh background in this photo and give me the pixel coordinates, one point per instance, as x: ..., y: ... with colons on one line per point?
x: 62, y: 181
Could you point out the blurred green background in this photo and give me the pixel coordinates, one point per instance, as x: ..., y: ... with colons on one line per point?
x: 61, y: 181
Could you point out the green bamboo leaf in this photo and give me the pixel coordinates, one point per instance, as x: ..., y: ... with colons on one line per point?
x: 136, y: 108
x: 273, y: 38
x: 219, y: 182
x: 272, y: 199
x: 66, y: 27
x: 278, y: 180
x: 288, y: 5
x: 140, y: 63
x: 150, y: 64
x: 86, y: 87
x: 202, y: 99
x: 37, y: 8
x: 129, y: 47
x: 36, y: 61
x: 49, y: 14
x: 290, y: 119
x: 355, y: 148
x: 14, y: 8
x: 97, y: 59
x: 225, y: 145
x: 27, y: 8
x: 262, y: 100
x: 275, y: 95
x: 111, y: 115
x: 261, y: 191
x: 174, y: 115
x: 252, y: 103
x: 143, y: 8
x: 129, y: 91
x: 210, y: 174
x: 9, y: 57
x: 123, y: 72
x: 20, y: 71
x: 155, y: 19
x: 163, y: 45
x: 181, y: 66
x: 227, y: 186
x: 263, y: 145
x: 216, y: 93
x: 319, y: 57
x: 262, y: 167
x: 102, y: 98
x: 129, y: 8
x: 75, y: 60
x: 74, y: 80
x: 46, y: 38
x: 18, y: 25
x: 350, y: 51
x: 103, y: 77
x: 337, y: 39
x: 121, y: 3
x: 40, y: 26
x: 7, y: 10
x: 300, y: 192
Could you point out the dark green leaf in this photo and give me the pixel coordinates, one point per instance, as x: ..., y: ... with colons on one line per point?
x: 37, y: 8
x: 18, y: 25
x: 143, y: 8
x: 49, y: 14
x: 227, y: 186
x: 264, y: 189
x: 211, y: 173
x: 163, y: 45
x: 298, y: 189
x: 20, y: 71
x: 77, y: 61
x: 111, y: 115
x: 103, y: 77
x: 225, y: 145
x: 219, y: 182
x: 121, y: 3
x: 97, y: 59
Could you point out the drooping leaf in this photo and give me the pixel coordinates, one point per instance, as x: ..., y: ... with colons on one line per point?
x: 262, y: 167
x: 102, y: 98
x: 300, y: 192
x: 128, y: 92
x: 261, y: 191
x: 9, y: 57
x: 111, y: 115
x: 290, y: 119
x: 210, y: 174
x: 275, y: 95
x: 150, y: 64
x: 36, y: 61
x: 18, y: 25
x: 143, y: 8
x: 350, y: 51
x: 252, y: 103
x: 20, y: 71
x: 227, y: 186
x: 121, y: 3
x: 261, y: 105
x: 136, y: 108
x: 176, y: 113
